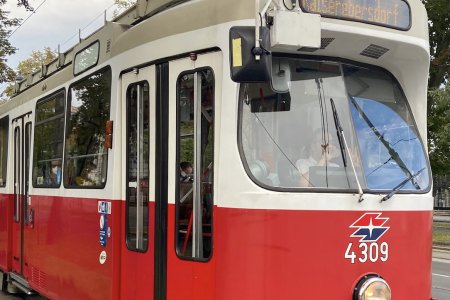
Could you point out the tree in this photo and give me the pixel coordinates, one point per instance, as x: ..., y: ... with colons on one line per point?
x: 122, y: 5
x: 439, y: 89
x: 6, y: 49
x: 439, y: 19
x: 36, y: 60
x: 439, y: 130
x: 29, y: 66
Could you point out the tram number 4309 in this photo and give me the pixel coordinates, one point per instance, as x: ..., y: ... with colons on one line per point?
x: 367, y: 252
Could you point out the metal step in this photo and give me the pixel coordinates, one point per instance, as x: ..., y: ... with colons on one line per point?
x: 21, y: 283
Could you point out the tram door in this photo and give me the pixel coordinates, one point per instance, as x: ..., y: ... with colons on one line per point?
x: 138, y: 131
x: 194, y: 89
x: 22, y: 149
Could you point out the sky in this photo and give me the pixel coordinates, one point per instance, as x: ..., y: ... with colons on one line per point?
x: 54, y: 22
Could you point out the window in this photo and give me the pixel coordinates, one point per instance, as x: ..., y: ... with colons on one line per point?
x: 390, y: 146
x: 48, y: 141
x: 195, y: 171
x: 138, y: 154
x: 289, y: 135
x: 86, y: 58
x: 17, y: 173
x: 86, y: 159
x: 27, y: 155
x: 4, y: 129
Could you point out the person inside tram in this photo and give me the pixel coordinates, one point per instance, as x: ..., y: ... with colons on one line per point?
x: 54, y: 176
x: 322, y: 152
x: 186, y: 172
x: 186, y: 180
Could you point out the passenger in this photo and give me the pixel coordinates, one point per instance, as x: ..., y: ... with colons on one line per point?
x: 186, y: 171
x: 321, y: 153
x: 54, y: 177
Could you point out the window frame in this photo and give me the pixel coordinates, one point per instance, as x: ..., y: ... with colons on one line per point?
x: 332, y: 190
x: 127, y: 242
x: 91, y: 66
x: 17, y: 173
x: 103, y: 70
x: 36, y: 123
x: 4, y: 158
x: 194, y: 72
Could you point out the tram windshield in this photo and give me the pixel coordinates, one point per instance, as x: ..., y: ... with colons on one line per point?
x: 290, y: 138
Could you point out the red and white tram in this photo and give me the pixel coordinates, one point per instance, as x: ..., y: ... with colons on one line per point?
x: 211, y: 149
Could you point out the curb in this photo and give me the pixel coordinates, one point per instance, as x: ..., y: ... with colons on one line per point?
x: 441, y: 253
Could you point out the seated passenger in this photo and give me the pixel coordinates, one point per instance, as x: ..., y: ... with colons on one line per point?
x: 54, y: 176
x: 320, y: 155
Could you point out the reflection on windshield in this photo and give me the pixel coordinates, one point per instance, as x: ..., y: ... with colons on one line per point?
x: 387, y: 146
x: 289, y: 136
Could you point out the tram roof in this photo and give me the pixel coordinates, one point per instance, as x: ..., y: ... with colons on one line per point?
x: 161, y: 18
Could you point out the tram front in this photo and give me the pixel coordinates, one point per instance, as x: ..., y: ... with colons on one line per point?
x: 332, y: 136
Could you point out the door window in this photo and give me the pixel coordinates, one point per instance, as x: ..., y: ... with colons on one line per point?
x: 195, y: 172
x: 138, y: 147
x: 17, y: 173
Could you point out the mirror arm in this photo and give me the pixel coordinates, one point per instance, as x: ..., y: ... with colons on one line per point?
x: 258, y: 23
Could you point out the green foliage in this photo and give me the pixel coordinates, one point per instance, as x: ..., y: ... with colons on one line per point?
x: 29, y: 66
x: 439, y: 130
x: 439, y: 19
x: 122, y: 5
x: 6, y: 49
x: 35, y: 61
x: 439, y: 98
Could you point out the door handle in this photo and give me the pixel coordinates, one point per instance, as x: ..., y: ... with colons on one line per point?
x: 31, y: 218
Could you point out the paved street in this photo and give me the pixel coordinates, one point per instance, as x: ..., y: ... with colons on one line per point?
x: 19, y: 297
x: 441, y: 279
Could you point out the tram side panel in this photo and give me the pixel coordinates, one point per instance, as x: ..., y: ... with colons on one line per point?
x: 68, y: 261
x: 6, y: 211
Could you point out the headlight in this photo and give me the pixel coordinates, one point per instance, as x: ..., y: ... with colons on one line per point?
x: 372, y: 287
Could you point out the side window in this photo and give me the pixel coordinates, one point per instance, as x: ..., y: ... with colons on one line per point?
x: 86, y: 159
x: 48, y: 141
x: 4, y: 129
x: 195, y: 140
x: 138, y: 154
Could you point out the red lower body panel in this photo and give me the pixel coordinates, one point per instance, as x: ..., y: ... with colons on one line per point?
x: 257, y: 254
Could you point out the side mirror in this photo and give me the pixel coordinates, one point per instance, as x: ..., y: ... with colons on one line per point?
x: 243, y: 65
x: 281, y: 75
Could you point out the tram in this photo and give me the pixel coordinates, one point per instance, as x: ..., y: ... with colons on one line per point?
x: 212, y: 149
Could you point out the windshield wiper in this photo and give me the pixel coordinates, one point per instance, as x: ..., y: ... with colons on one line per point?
x: 402, y: 184
x: 344, y: 148
x: 339, y: 132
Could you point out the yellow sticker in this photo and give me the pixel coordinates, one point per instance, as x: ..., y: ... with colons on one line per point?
x: 237, y: 53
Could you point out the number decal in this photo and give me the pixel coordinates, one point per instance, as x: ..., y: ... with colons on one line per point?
x: 367, y: 252
x: 373, y: 252
x: 384, y: 250
x: 363, y: 247
x: 350, y: 254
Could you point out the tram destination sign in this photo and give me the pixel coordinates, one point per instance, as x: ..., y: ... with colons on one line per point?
x: 390, y: 13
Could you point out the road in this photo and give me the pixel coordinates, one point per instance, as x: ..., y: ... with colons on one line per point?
x: 441, y: 279
x: 3, y: 296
